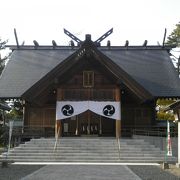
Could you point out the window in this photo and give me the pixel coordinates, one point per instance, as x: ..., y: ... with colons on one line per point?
x: 88, y: 78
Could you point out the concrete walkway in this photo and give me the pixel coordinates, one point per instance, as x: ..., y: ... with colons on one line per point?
x: 80, y: 172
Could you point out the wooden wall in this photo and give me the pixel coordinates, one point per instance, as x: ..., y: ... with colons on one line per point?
x: 41, y: 117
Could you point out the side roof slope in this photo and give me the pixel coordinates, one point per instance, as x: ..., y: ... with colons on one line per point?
x: 27, y: 67
x: 151, y: 68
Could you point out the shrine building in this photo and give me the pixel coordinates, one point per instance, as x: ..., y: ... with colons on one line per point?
x: 89, y: 89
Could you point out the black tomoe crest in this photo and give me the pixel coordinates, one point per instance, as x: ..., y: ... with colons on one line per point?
x: 108, y: 110
x: 67, y: 110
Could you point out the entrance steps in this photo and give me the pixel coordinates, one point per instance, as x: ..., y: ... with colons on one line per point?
x: 137, y: 150
x: 87, y: 149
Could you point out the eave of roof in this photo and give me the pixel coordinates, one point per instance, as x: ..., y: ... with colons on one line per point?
x: 43, y: 62
x: 48, y: 47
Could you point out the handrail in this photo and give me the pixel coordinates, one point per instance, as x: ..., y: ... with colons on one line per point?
x: 118, y: 141
x: 57, y: 137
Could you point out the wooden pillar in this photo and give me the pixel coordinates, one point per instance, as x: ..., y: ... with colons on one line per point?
x: 77, y: 126
x: 89, y: 115
x: 118, y: 122
x: 88, y: 123
x: 58, y: 124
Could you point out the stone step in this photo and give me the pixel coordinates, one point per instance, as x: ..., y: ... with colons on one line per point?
x: 141, y: 155
x: 69, y: 143
x: 86, y: 142
x: 122, y: 149
x: 34, y: 159
x: 60, y: 154
x: 87, y: 150
x: 87, y: 154
x: 66, y: 150
x: 130, y: 151
x: 62, y: 157
x: 65, y: 159
x: 71, y: 146
x: 75, y: 142
x: 80, y: 139
x: 140, y: 149
x: 150, y: 160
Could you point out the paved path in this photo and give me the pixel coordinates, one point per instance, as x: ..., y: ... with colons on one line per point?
x: 80, y: 172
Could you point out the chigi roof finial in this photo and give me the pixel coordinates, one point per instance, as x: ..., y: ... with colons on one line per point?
x: 16, y: 37
x: 88, y: 37
x: 72, y: 36
x: 105, y: 35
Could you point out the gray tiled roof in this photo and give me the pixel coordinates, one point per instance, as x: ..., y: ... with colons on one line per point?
x: 153, y: 69
x: 26, y: 67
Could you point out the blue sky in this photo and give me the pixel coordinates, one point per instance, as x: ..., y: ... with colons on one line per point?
x: 44, y: 20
